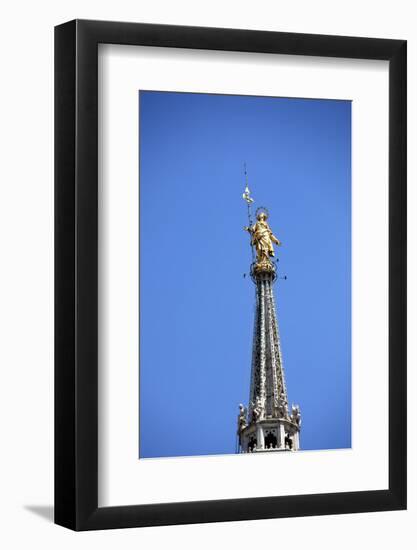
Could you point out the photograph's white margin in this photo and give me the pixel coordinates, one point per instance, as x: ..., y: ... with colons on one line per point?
x: 123, y: 478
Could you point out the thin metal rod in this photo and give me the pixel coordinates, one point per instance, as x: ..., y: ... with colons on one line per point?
x: 249, y: 213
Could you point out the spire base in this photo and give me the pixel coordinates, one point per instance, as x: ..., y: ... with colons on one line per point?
x: 270, y: 435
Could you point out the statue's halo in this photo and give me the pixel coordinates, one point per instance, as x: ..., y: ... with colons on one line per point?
x: 262, y: 210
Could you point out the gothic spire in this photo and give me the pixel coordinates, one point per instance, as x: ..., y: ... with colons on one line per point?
x: 268, y: 423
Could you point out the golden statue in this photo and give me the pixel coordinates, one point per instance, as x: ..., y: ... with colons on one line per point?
x: 262, y: 239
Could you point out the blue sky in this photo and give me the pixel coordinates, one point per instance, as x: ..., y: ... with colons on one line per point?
x: 196, y: 308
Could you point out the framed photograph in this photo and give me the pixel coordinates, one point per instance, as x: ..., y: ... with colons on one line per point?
x: 230, y: 285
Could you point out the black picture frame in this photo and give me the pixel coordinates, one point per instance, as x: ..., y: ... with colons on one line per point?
x: 76, y: 274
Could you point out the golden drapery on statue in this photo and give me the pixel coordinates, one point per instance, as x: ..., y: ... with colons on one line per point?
x: 262, y: 239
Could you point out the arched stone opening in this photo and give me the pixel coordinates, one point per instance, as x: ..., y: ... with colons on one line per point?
x: 271, y: 441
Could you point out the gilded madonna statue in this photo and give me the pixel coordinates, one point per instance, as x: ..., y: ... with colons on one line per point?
x: 262, y: 239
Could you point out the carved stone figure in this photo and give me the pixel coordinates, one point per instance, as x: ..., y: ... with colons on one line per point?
x: 241, y: 419
x: 296, y: 415
x: 257, y: 409
x: 281, y: 406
